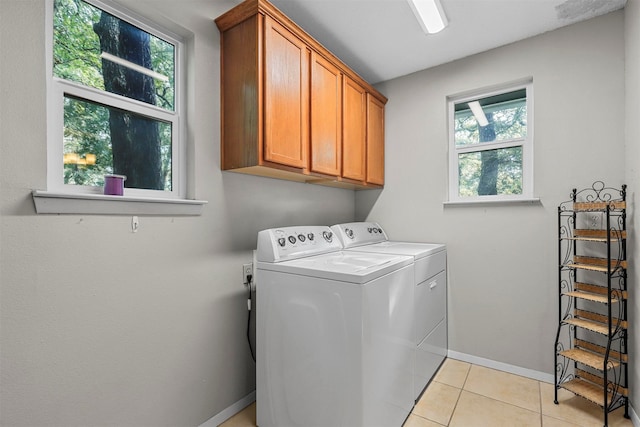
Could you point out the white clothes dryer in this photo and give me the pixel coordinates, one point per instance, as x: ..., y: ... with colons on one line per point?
x: 430, y: 321
x: 333, y: 331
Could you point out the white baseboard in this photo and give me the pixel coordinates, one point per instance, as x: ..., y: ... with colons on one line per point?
x: 512, y: 369
x: 634, y: 417
x: 523, y: 372
x: 227, y: 413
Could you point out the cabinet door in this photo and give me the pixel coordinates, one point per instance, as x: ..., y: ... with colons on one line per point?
x: 354, y: 130
x: 326, y: 116
x: 375, y: 141
x: 286, y: 97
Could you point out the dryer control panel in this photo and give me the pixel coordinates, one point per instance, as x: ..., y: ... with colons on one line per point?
x: 354, y: 234
x: 286, y: 243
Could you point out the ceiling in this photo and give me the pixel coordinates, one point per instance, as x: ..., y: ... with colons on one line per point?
x: 381, y: 39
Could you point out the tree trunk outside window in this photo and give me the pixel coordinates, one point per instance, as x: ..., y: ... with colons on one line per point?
x: 135, y: 140
x: 488, y: 160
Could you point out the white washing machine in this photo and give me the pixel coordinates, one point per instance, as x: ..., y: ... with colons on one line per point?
x: 333, y: 330
x: 430, y: 325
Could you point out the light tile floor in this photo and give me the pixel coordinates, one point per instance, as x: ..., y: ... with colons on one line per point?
x: 466, y: 395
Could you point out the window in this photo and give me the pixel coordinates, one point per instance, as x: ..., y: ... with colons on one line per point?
x: 115, y: 102
x: 491, y: 145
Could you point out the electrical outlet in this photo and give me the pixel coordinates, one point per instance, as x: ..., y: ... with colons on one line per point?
x: 595, y: 221
x: 247, y: 270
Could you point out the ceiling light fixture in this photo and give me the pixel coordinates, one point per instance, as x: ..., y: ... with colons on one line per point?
x: 478, y: 112
x: 430, y: 15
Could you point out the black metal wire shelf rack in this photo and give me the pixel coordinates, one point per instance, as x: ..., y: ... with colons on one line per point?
x: 591, y: 343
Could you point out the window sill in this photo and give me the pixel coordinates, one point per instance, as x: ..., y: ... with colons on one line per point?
x: 47, y: 202
x: 531, y: 201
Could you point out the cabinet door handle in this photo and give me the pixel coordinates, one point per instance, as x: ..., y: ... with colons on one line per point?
x: 433, y: 284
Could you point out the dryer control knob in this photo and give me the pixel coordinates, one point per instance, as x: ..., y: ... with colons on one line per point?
x: 292, y: 239
x: 328, y: 236
x: 282, y: 241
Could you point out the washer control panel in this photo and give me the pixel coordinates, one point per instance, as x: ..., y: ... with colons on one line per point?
x: 286, y: 243
x: 354, y: 234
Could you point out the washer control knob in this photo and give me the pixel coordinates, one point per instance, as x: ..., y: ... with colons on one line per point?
x: 328, y: 236
x: 301, y: 237
x: 310, y: 236
x: 281, y: 241
x: 370, y: 230
x: 349, y: 232
x: 292, y: 239
x: 380, y: 230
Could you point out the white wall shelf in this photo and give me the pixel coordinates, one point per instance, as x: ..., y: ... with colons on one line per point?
x: 47, y: 202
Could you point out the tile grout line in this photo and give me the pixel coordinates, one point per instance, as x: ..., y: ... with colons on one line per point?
x: 452, y: 411
x: 457, y: 399
x: 503, y: 402
x: 454, y: 408
x: 459, y: 395
x: 538, y: 382
x: 540, y: 396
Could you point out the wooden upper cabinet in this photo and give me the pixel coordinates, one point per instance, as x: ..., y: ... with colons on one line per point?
x: 286, y: 96
x: 326, y: 117
x: 354, y: 130
x: 290, y: 109
x: 241, y: 119
x: 375, y: 141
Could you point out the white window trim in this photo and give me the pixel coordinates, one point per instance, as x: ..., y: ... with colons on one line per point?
x: 62, y: 198
x: 526, y: 143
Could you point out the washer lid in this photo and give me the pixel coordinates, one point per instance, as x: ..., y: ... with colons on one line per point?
x: 344, y: 266
x: 416, y: 250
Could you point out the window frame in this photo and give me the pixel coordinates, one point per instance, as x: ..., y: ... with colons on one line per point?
x: 57, y: 88
x: 526, y: 143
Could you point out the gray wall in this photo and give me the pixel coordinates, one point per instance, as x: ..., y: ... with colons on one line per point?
x: 100, y: 326
x: 159, y: 338
x: 632, y: 57
x: 502, y: 260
